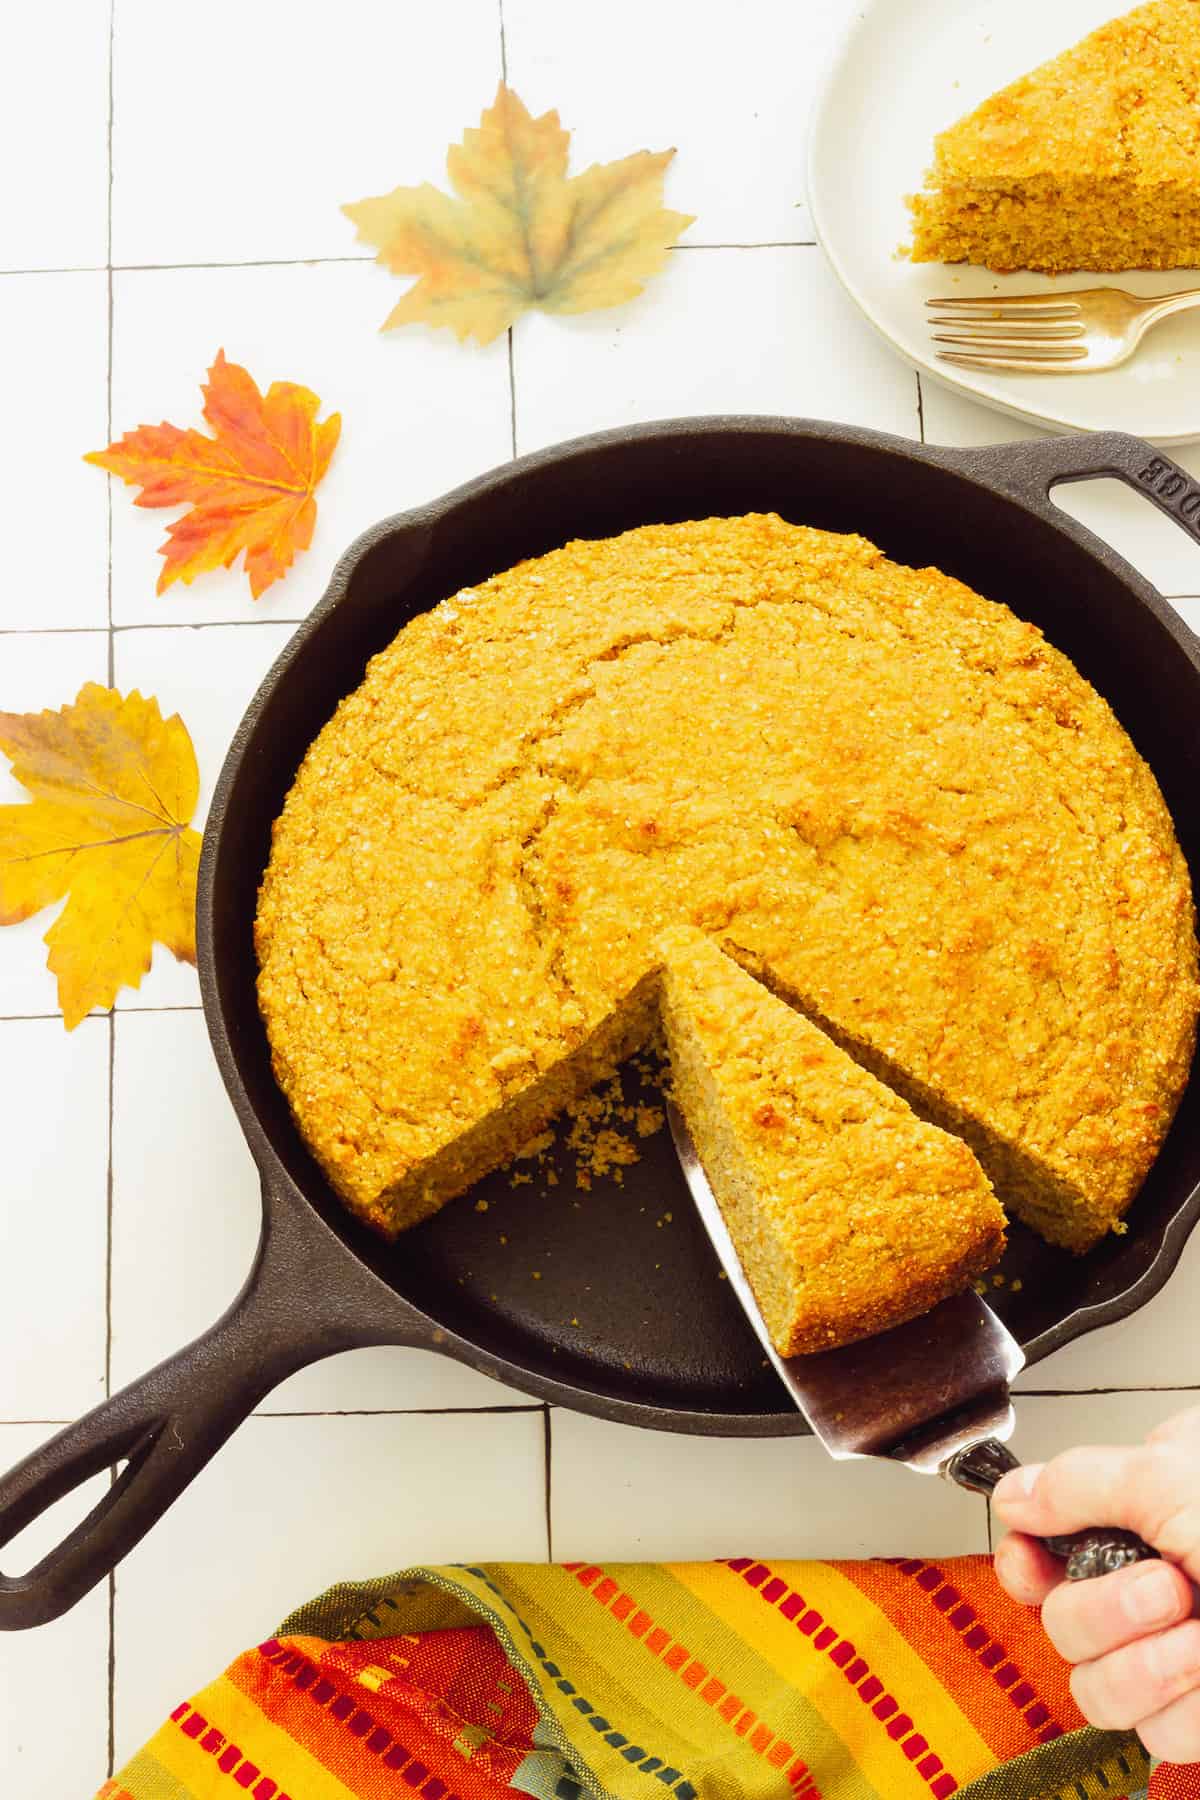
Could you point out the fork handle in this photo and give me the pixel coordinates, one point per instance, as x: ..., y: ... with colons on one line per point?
x: 1029, y: 471
x: 1162, y: 306
x: 1095, y: 1550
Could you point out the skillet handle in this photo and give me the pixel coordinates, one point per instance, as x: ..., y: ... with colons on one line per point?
x: 1096, y: 1550
x: 1030, y: 470
x: 300, y: 1303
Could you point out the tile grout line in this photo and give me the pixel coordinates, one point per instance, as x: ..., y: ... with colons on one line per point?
x: 439, y: 1412
x: 388, y: 1412
x: 512, y: 393
x: 146, y: 625
x: 110, y: 1674
x: 756, y: 244
x: 254, y: 262
x: 59, y: 1422
x: 108, y: 373
x: 512, y: 375
x: 351, y: 1412
x: 31, y: 631
x: 547, y: 1436
x: 1171, y: 1387
x: 114, y: 1012
x: 108, y: 1205
x: 548, y: 1452
x: 318, y: 262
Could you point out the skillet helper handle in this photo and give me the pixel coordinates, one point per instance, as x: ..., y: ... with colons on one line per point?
x: 1030, y: 470
x: 1096, y: 1550
x: 294, y: 1309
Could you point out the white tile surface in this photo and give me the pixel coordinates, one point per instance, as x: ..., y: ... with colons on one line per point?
x: 419, y: 414
x: 1047, y: 1426
x: 625, y: 1494
x: 53, y: 375
x: 185, y: 1226
x: 1162, y: 552
x: 745, y: 181
x: 291, y: 1506
x: 53, y: 136
x: 279, y: 112
x: 36, y: 671
x: 720, y: 331
x: 207, y: 676
x: 53, y: 1681
x: 54, y: 1220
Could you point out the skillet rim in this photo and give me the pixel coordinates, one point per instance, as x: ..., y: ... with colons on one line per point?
x: 991, y: 468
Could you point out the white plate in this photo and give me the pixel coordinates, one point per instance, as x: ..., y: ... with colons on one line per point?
x: 907, y: 69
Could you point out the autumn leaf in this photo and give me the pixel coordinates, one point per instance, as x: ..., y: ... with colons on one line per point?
x: 250, y: 486
x: 113, y: 786
x: 521, y: 233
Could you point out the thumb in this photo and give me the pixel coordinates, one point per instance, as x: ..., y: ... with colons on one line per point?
x: 1153, y: 1489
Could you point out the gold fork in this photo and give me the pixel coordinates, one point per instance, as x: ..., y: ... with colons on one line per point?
x: 1052, y: 334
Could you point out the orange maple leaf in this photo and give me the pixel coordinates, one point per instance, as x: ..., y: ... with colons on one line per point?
x: 113, y: 786
x: 521, y: 233
x: 250, y: 486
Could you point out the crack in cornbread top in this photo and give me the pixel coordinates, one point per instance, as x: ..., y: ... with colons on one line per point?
x: 889, y: 793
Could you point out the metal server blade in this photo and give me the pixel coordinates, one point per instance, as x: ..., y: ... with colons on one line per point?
x: 918, y: 1394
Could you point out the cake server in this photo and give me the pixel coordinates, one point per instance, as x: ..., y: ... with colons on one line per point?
x: 932, y: 1394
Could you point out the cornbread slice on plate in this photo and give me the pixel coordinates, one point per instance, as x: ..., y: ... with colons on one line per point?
x: 848, y: 1213
x: 1090, y: 162
x: 888, y: 797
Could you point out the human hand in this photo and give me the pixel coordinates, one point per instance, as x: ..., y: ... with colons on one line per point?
x: 1134, y: 1635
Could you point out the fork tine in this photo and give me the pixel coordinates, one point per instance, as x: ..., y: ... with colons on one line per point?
x: 1013, y: 306
x: 1060, y: 331
x: 1054, y: 349
x: 1047, y: 362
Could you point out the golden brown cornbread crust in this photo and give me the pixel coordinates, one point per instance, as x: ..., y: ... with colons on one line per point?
x: 1090, y: 162
x: 887, y: 794
x: 849, y: 1213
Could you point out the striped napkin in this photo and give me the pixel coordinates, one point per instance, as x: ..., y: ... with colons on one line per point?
x: 734, y: 1680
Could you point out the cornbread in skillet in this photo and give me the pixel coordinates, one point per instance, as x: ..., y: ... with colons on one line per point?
x: 1090, y: 162
x: 887, y: 797
x: 848, y: 1213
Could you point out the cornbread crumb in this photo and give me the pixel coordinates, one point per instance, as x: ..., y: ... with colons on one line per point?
x: 848, y: 1213
x: 1090, y: 162
x: 601, y: 1130
x: 888, y: 798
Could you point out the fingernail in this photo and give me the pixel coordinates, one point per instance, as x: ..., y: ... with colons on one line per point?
x: 1151, y: 1596
x: 1018, y: 1484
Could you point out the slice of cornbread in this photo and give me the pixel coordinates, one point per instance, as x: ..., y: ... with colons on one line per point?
x: 849, y: 1214
x: 1090, y: 162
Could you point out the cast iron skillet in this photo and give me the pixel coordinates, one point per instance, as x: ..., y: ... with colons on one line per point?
x: 659, y: 1341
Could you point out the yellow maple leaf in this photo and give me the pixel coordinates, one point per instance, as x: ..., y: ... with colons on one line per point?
x: 114, y: 786
x: 522, y: 233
